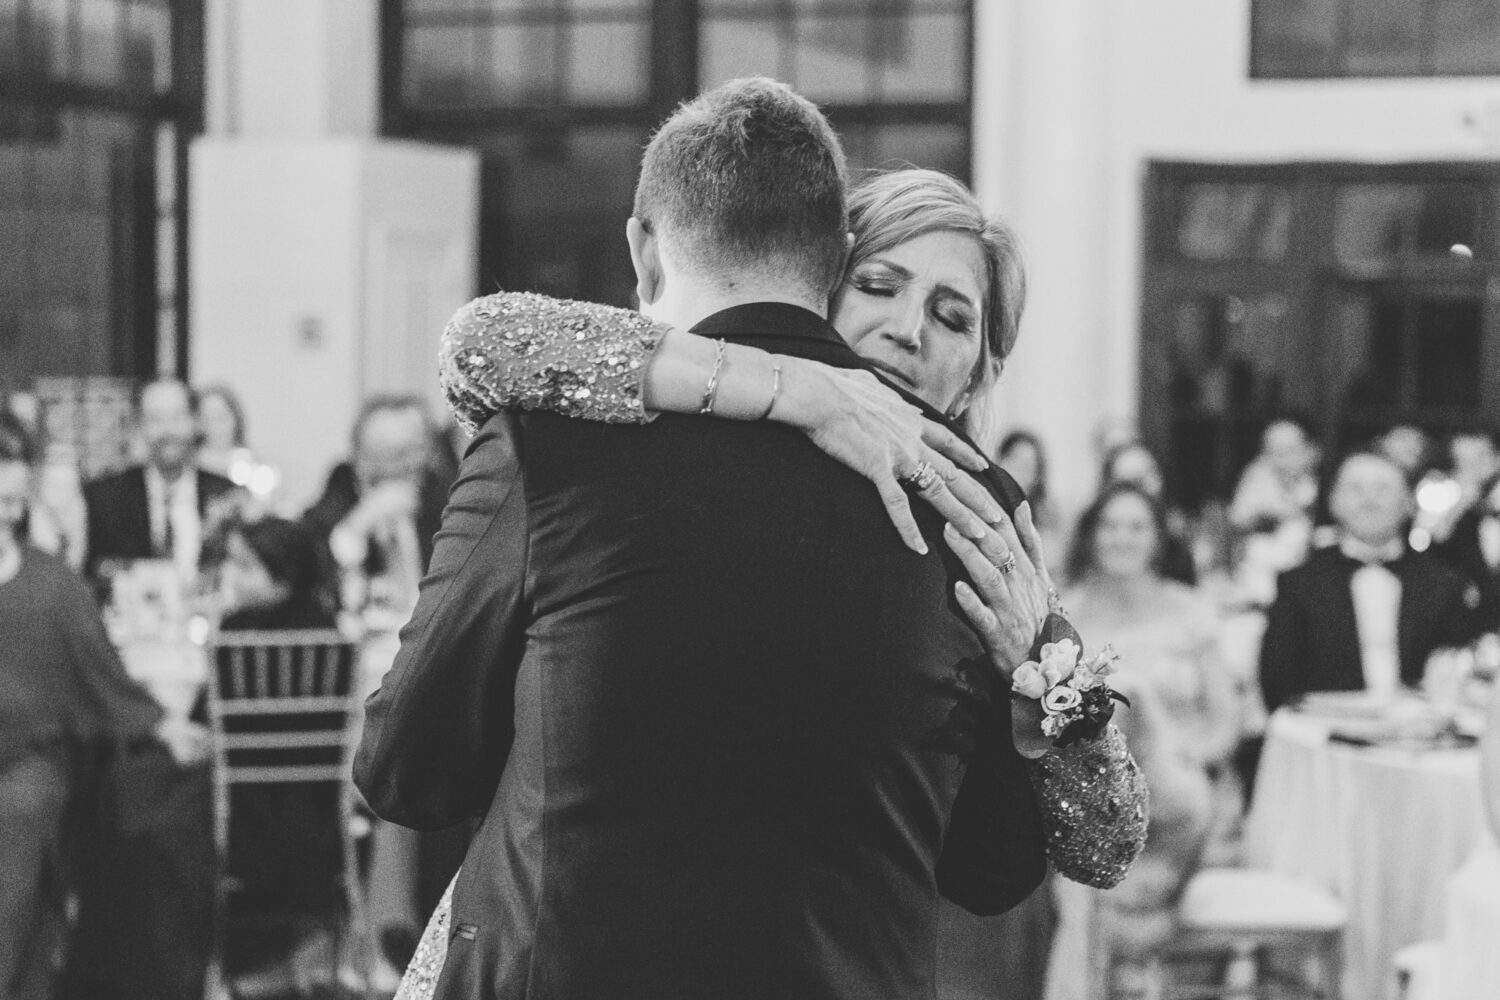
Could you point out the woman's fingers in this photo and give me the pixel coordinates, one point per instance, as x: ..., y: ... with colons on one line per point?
x: 945, y: 442
x: 1031, y: 541
x: 989, y: 582
x: 898, y: 509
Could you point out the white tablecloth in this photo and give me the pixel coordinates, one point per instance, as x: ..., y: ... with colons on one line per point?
x: 1381, y: 828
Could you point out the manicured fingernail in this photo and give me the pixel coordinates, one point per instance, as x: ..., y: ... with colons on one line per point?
x: 992, y: 511
x: 963, y: 589
x: 949, y: 531
x: 976, y: 528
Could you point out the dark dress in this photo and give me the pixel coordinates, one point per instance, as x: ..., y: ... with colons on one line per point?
x: 1463, y: 552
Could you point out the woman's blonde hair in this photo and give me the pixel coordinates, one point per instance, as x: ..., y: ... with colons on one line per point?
x: 894, y: 206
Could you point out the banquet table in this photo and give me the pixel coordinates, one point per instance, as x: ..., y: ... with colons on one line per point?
x: 1379, y: 826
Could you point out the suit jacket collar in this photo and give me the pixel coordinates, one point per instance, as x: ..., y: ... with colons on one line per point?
x: 783, y: 328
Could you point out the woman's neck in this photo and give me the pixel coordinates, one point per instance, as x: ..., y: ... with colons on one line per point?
x: 1122, y: 593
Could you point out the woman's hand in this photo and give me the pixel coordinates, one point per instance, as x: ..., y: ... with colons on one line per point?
x: 1012, y: 589
x: 853, y: 417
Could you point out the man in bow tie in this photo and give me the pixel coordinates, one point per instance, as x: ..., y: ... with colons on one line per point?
x: 1364, y: 614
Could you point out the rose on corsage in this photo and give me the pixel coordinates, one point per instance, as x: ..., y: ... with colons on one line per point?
x: 1076, y: 701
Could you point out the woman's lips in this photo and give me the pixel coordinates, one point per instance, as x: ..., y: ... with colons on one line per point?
x: 893, y: 372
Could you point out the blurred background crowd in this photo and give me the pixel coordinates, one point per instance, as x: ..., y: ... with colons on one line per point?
x: 1254, y: 402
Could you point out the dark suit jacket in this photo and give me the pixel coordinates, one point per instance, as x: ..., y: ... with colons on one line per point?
x: 1311, y: 641
x: 716, y: 714
x: 119, y: 515
x: 341, y: 495
x: 1462, y: 552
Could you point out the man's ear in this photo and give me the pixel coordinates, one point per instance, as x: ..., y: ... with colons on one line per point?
x: 646, y: 258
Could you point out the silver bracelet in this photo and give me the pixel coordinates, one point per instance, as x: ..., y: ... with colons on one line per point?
x: 775, y: 392
x: 711, y: 391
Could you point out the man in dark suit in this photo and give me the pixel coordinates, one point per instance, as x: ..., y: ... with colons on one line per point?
x: 379, y: 510
x: 146, y: 900
x: 1366, y: 613
x: 717, y: 717
x: 155, y: 510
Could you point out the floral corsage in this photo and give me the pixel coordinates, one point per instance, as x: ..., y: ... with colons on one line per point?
x: 1075, y: 698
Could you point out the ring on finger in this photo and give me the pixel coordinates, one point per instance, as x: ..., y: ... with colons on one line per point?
x: 920, y: 478
x: 1008, y: 565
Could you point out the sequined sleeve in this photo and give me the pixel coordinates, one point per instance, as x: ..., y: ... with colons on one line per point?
x: 420, y: 981
x: 1095, y: 805
x: 521, y: 351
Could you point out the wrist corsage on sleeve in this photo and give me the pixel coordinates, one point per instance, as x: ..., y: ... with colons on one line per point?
x: 1072, y: 693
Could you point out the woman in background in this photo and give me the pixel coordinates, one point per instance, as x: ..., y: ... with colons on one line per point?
x: 1135, y: 463
x: 221, y: 432
x: 1021, y: 454
x: 1182, y: 726
x: 269, y: 578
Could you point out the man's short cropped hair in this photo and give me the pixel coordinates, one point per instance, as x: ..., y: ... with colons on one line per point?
x: 748, y: 175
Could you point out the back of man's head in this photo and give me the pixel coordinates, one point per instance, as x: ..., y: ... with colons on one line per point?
x: 748, y: 177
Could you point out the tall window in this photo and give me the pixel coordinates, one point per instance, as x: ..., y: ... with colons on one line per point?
x: 560, y: 96
x: 97, y: 100
x: 1327, y: 38
x: 1353, y: 295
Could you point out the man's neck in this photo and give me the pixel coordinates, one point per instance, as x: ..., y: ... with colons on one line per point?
x: 170, y: 475
x: 688, y: 303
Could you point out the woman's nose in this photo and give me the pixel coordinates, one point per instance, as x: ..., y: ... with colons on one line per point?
x: 906, y: 329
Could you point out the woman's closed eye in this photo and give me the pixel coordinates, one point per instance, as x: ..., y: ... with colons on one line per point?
x: 959, y: 321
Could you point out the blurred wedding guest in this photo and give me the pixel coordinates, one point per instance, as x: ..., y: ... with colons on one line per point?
x: 1167, y: 634
x: 1367, y: 612
x: 270, y: 577
x: 221, y: 432
x: 1474, y: 461
x: 1182, y: 724
x: 284, y: 840
x: 1135, y: 462
x: 1021, y: 454
x: 63, y: 690
x: 1446, y: 494
x: 1273, y: 508
x: 379, y: 510
x: 1473, y: 548
x: 155, y: 510
x: 56, y: 518
x: 1409, y: 447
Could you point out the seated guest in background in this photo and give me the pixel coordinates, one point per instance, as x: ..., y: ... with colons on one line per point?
x: 221, y: 431
x: 1273, y: 507
x: 1183, y: 723
x: 379, y: 511
x: 1366, y: 613
x: 1473, y: 548
x: 62, y: 687
x: 155, y: 510
x: 284, y: 840
x: 270, y: 577
x: 56, y: 521
x: 62, y: 690
x: 1409, y: 447
x: 1021, y: 454
x: 1135, y: 462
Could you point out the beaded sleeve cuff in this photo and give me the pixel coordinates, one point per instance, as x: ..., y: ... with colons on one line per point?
x: 1095, y: 805
x: 521, y: 351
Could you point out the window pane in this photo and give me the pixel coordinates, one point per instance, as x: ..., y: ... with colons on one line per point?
x: 728, y: 49
x: 148, y: 47
x: 1465, y: 36
x: 832, y: 58
x: 99, y: 23
x: 10, y: 40
x: 1385, y: 38
x: 608, y: 63
x: 1373, y: 221
x: 1226, y: 352
x: 1295, y: 37
x: 50, y: 39
x: 1234, y: 221
x: 439, y: 66
x: 921, y: 58
x: 517, y: 64
x: 1447, y: 352
x: 937, y: 147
